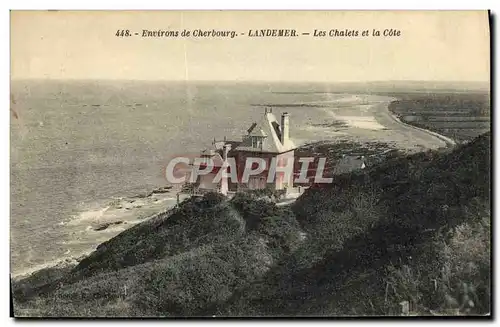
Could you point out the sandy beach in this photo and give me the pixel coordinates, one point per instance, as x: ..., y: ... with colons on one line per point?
x: 366, y: 118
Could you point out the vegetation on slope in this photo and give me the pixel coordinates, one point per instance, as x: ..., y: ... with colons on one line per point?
x: 411, y: 233
x: 180, y: 285
x: 394, y: 233
x: 177, y: 264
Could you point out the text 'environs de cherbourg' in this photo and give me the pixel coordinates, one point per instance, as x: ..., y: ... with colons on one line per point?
x: 260, y: 33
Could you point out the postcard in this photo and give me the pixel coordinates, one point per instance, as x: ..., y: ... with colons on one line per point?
x: 250, y: 164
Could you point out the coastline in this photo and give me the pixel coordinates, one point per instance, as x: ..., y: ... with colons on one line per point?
x: 97, y: 226
x: 372, y: 120
x: 450, y: 142
x: 454, y: 117
x: 123, y: 213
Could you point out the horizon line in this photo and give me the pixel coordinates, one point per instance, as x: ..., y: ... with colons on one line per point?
x: 248, y: 81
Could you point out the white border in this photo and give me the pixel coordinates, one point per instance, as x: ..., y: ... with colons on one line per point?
x: 188, y: 5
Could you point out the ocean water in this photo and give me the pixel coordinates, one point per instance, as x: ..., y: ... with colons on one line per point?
x: 77, y: 144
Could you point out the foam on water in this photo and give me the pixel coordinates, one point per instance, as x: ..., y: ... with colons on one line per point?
x: 86, y: 216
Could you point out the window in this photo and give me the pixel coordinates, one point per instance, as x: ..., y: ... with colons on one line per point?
x: 257, y: 142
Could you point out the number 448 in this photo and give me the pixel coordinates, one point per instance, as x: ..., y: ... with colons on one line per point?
x: 123, y: 33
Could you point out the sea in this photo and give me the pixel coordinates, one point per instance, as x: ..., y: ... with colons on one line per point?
x: 76, y: 145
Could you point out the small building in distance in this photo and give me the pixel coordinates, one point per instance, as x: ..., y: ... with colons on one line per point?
x: 266, y: 138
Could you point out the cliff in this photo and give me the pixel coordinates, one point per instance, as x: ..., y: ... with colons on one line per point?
x: 413, y: 229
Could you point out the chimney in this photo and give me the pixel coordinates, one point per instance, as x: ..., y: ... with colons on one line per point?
x: 226, y: 148
x: 285, y: 122
x: 224, y: 186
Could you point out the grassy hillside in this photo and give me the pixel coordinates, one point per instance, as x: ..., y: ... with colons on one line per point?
x: 412, y: 232
x: 415, y: 229
x: 176, y: 264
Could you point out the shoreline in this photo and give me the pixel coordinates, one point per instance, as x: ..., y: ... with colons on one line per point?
x: 129, y: 211
x: 449, y: 141
x: 110, y: 221
x: 372, y: 120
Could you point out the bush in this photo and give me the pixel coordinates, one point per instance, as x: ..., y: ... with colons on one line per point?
x: 284, y: 237
x: 212, y: 199
x: 253, y: 210
x: 196, y: 222
x: 26, y: 287
x: 456, y: 281
x: 265, y: 193
x: 192, y: 286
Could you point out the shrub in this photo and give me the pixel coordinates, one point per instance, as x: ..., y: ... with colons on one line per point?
x: 284, y: 237
x: 192, y: 286
x: 457, y: 281
x: 253, y: 210
x: 197, y: 221
x: 212, y: 199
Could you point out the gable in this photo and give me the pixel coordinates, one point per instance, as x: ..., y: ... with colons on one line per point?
x: 268, y: 128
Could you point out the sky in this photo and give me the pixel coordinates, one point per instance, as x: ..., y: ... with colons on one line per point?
x: 434, y: 46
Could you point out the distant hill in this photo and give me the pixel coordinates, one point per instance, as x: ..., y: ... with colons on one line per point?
x: 412, y: 230
x: 431, y: 86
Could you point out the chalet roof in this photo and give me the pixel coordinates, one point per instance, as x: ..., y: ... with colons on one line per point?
x: 270, y: 129
x: 349, y: 163
x: 255, y: 130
